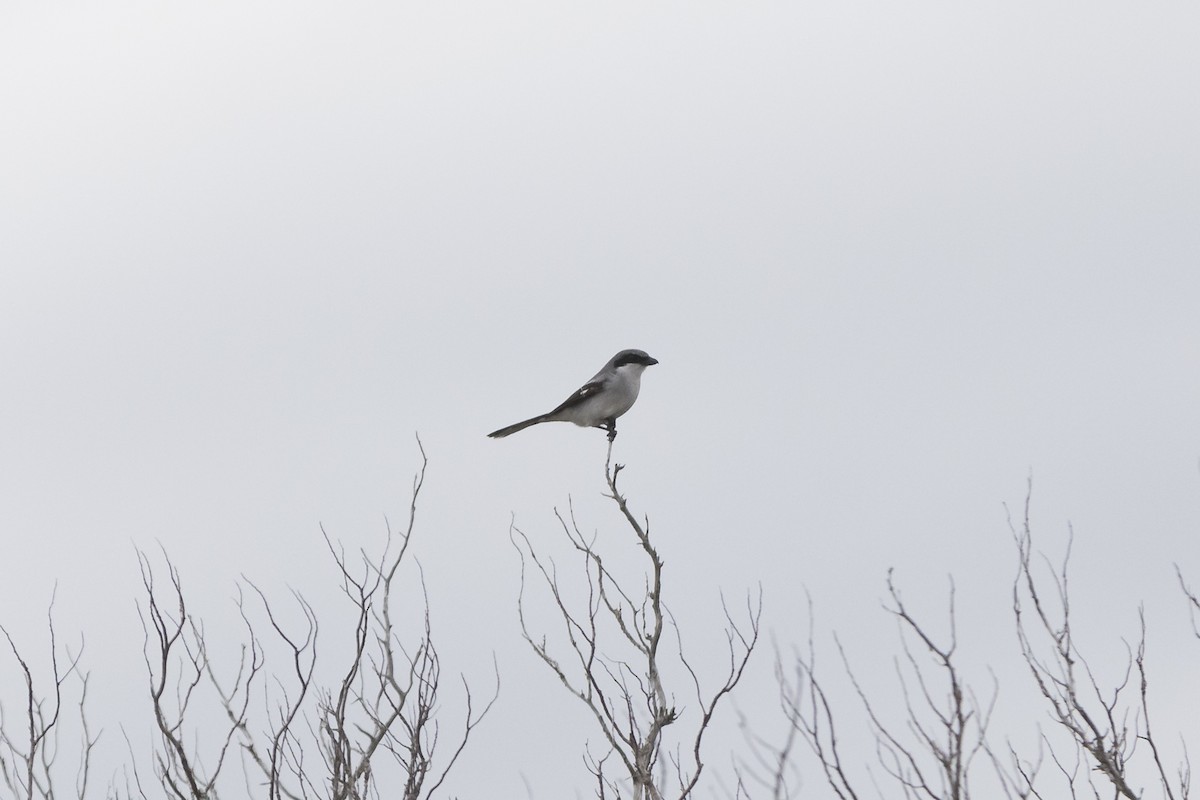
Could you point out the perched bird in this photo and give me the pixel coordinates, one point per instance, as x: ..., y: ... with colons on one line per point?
x: 597, y: 404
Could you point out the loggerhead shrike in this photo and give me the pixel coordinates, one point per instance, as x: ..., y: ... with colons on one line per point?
x: 598, y: 403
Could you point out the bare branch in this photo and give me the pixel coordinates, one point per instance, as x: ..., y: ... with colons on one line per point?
x: 319, y: 742
x: 27, y: 763
x: 613, y: 636
x: 175, y: 652
x: 1097, y: 724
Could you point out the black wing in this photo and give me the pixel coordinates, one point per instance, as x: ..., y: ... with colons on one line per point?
x: 582, y: 393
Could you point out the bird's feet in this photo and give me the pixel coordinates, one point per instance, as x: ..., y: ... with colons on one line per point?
x: 609, y: 425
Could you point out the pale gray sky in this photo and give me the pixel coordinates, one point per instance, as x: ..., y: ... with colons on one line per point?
x: 893, y: 260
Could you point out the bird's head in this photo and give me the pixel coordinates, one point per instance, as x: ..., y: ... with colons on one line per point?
x: 635, y: 358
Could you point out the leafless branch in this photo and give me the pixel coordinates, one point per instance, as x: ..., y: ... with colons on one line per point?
x: 1106, y: 724
x: 27, y: 763
x: 388, y: 695
x: 175, y: 651
x: 1095, y: 720
x: 616, y: 659
x: 318, y: 742
x: 1193, y: 601
x: 809, y: 714
x: 930, y: 754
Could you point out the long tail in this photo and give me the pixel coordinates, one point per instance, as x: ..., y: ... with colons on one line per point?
x: 520, y: 426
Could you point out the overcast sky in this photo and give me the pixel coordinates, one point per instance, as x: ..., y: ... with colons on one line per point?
x: 894, y: 259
